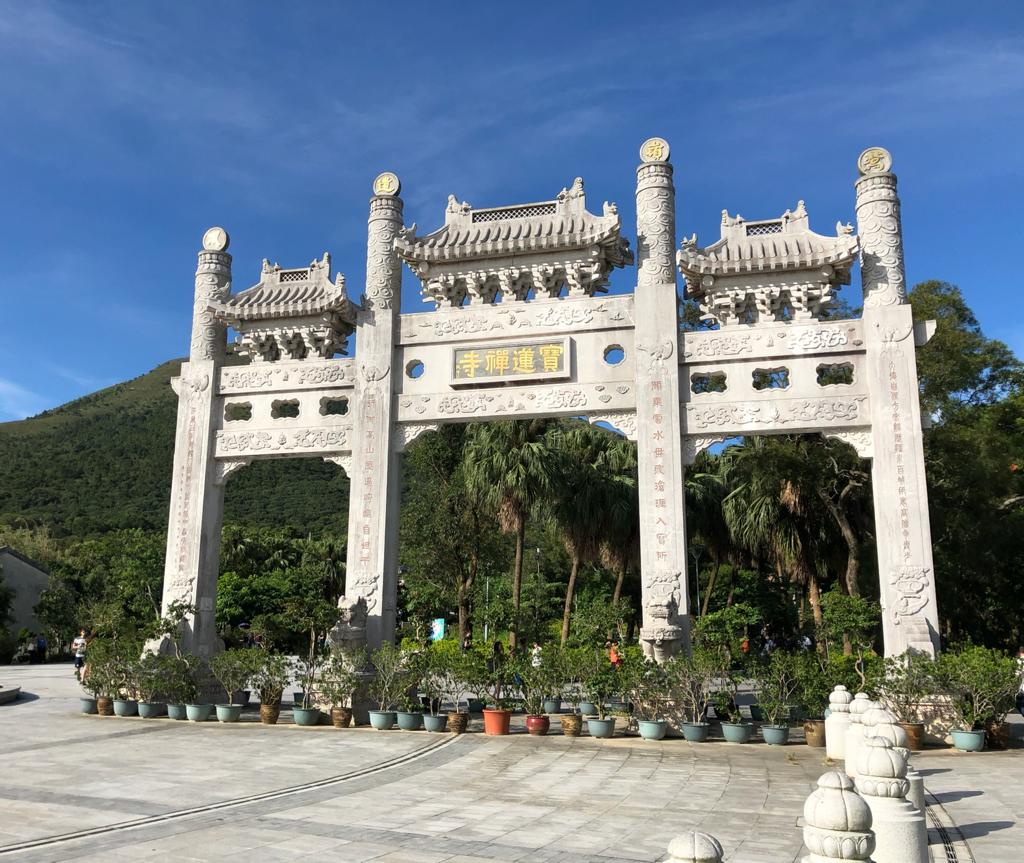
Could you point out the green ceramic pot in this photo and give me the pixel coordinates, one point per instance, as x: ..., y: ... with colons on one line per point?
x: 695, y: 732
x: 587, y: 709
x: 87, y: 705
x: 150, y: 709
x: 552, y: 705
x: 965, y: 741
x: 601, y: 727
x: 382, y: 720
x: 123, y: 707
x: 198, y: 712
x: 176, y: 711
x: 435, y: 723
x: 652, y: 729
x: 775, y: 735
x: 229, y: 712
x: 409, y: 720
x: 737, y: 732
x: 306, y: 716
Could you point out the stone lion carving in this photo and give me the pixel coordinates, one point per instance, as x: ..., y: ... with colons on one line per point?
x: 349, y: 633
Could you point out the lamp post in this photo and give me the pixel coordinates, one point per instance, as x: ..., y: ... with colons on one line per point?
x: 696, y: 550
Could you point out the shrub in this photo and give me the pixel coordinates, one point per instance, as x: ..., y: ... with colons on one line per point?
x: 389, y: 676
x: 778, y: 682
x: 907, y: 680
x: 270, y: 675
x: 233, y: 668
x: 981, y: 682
x: 341, y: 676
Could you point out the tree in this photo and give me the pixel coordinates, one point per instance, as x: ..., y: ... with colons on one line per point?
x: 508, y: 466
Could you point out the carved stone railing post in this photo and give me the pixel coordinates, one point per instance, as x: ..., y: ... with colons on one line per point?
x: 855, y: 731
x: 837, y: 722
x: 197, y: 494
x: 902, y: 530
x: 372, y: 564
x: 901, y: 835
x: 663, y: 560
x: 837, y: 822
x: 695, y: 848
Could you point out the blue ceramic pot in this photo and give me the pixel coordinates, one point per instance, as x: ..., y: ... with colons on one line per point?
x: 552, y: 705
x: 198, y: 712
x: 435, y: 723
x: 228, y: 712
x: 776, y: 735
x: 737, y: 732
x: 695, y: 732
x: 150, y: 709
x: 601, y: 727
x: 965, y: 741
x: 409, y: 721
x: 382, y: 720
x: 87, y: 705
x: 306, y: 716
x: 651, y: 729
x: 123, y: 707
x: 176, y: 711
x: 587, y: 708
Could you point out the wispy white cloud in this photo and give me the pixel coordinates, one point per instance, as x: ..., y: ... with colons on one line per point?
x: 17, y: 402
x: 84, y: 381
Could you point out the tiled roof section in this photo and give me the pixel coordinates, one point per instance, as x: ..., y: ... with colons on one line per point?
x: 284, y: 293
x: 786, y: 243
x: 563, y: 223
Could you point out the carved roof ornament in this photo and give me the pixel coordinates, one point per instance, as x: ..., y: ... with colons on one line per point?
x: 767, y: 270
x: 543, y: 247
x: 874, y: 160
x: 216, y: 240
x: 290, y: 313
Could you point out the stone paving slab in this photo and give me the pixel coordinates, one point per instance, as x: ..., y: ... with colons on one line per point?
x: 469, y: 800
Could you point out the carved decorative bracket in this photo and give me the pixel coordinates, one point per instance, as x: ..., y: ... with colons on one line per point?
x: 342, y: 461
x: 693, y: 444
x: 859, y: 438
x: 624, y: 421
x: 223, y: 468
x: 406, y: 433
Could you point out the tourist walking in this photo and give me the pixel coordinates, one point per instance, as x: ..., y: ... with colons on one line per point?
x: 1020, y: 672
x: 78, y: 647
x: 535, y: 659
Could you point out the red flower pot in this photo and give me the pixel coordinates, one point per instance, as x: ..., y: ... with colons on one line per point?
x: 496, y: 721
x: 538, y: 725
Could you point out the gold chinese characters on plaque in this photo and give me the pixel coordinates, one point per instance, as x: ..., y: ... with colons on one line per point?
x: 535, y: 360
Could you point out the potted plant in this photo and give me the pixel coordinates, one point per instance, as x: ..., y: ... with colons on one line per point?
x: 431, y: 686
x: 600, y: 683
x: 908, y: 679
x: 306, y: 670
x: 196, y: 710
x: 691, y: 680
x: 98, y: 680
x: 124, y: 671
x: 232, y: 670
x: 153, y: 672
x: 777, y: 679
x: 726, y: 702
x: 409, y: 714
x: 537, y: 682
x: 813, y: 688
x: 646, y: 687
x: 456, y: 673
x: 981, y: 683
x: 387, y: 685
x: 339, y: 679
x: 181, y: 687
x: 270, y: 674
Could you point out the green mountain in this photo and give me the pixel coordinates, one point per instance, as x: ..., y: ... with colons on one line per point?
x: 103, y: 462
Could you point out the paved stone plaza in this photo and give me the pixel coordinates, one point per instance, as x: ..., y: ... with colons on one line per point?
x: 156, y: 789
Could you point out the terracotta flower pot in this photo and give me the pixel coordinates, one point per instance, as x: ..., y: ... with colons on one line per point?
x: 915, y: 735
x: 457, y: 722
x: 814, y: 732
x: 538, y: 725
x: 341, y: 717
x: 572, y: 724
x: 496, y: 722
x: 269, y: 713
x: 105, y: 706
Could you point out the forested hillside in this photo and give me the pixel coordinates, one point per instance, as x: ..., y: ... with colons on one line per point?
x: 103, y: 462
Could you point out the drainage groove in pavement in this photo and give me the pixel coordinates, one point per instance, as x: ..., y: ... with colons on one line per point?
x: 954, y: 844
x: 227, y: 804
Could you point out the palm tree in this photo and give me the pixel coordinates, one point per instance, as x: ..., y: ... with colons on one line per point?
x: 583, y: 500
x: 508, y: 465
x: 620, y: 545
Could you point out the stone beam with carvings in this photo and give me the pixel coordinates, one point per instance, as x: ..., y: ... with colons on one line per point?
x: 285, y: 376
x: 282, y: 442
x: 787, y: 416
x: 783, y: 340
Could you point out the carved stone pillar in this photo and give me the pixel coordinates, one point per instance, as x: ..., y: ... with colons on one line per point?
x: 197, y: 498
x: 905, y: 568
x: 372, y: 562
x: 659, y: 435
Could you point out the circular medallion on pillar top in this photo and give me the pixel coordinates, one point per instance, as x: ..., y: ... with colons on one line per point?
x: 387, y: 184
x: 216, y: 240
x: 654, y: 150
x: 874, y: 160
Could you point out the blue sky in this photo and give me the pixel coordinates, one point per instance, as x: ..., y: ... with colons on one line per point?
x: 129, y: 128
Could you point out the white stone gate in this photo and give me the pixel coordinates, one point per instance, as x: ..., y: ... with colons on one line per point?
x: 521, y: 329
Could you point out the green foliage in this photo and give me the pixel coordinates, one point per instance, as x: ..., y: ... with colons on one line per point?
x: 599, y: 679
x: 645, y: 685
x: 726, y: 628
x: 163, y: 678
x: 232, y: 668
x: 595, y: 618
x: 852, y: 617
x: 390, y: 676
x: 341, y: 676
x: 271, y: 674
x: 692, y: 678
x: 908, y: 679
x: 981, y: 682
x: 777, y: 681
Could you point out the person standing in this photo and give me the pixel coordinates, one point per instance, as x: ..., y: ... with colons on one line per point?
x: 78, y: 647
x: 1020, y: 672
x: 535, y: 659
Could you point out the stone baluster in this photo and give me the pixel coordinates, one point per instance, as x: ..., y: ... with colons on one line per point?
x: 837, y: 822
x: 855, y: 731
x: 694, y: 848
x: 837, y: 722
x: 901, y: 835
x: 885, y: 723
